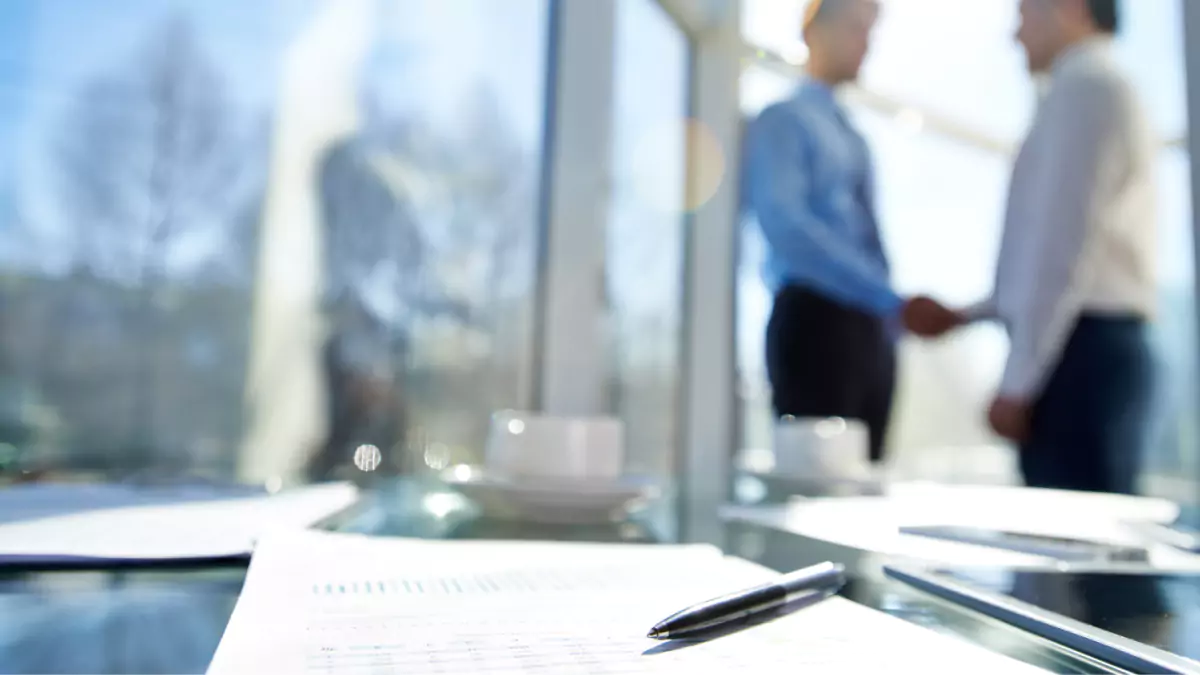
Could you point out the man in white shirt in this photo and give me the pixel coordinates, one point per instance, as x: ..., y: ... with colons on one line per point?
x: 1075, y: 283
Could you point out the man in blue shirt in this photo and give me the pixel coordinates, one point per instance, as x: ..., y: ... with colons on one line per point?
x: 810, y: 182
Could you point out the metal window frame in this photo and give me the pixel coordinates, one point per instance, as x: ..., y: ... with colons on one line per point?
x: 577, y: 186
x: 577, y: 181
x: 1191, y: 46
x: 709, y: 424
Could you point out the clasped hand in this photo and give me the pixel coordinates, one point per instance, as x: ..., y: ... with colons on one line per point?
x: 929, y: 318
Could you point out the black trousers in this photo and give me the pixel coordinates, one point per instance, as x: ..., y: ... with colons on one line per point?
x: 825, y: 359
x: 1091, y: 423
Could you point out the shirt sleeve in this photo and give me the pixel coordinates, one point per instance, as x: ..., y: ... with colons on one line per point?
x: 1082, y: 152
x: 780, y: 185
x: 984, y: 310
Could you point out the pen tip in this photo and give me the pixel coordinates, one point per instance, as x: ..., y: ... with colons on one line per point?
x: 654, y: 634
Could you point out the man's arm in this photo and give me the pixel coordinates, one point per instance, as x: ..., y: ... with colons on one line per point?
x: 780, y: 187
x: 984, y: 310
x: 1084, y: 149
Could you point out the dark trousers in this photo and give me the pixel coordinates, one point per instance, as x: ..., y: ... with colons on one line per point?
x: 825, y: 359
x: 1091, y: 423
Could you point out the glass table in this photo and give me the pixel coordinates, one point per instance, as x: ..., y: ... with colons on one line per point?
x: 170, y: 620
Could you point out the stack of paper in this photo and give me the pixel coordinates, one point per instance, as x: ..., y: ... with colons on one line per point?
x: 327, y: 603
x: 197, y: 530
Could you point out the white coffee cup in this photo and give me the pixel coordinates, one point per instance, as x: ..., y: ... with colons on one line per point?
x: 822, y: 448
x: 528, y: 445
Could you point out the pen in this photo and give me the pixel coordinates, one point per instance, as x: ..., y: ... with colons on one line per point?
x: 826, y: 577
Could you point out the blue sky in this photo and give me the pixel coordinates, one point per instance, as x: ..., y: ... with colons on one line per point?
x: 430, y: 56
x: 66, y: 43
x: 953, y: 56
x: 13, y: 48
x: 49, y: 48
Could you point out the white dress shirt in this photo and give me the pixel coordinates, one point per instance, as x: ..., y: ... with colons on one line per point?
x: 1079, y: 233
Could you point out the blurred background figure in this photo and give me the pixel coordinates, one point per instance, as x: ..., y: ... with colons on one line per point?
x: 364, y: 408
x: 810, y: 182
x: 1076, y: 278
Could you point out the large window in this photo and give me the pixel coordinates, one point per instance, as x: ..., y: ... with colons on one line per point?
x: 1174, y: 462
x: 944, y: 99
x: 644, y: 264
x: 760, y: 87
x: 940, y: 201
x: 255, y: 237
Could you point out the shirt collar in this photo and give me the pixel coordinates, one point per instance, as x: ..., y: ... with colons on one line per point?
x: 810, y: 91
x: 1080, y: 53
x: 811, y: 88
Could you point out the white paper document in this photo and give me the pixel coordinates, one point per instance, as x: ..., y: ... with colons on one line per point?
x: 192, y: 530
x: 326, y: 603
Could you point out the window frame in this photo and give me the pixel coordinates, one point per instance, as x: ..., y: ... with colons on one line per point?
x: 577, y: 187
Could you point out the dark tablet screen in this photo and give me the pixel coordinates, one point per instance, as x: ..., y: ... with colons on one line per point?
x: 1161, y: 610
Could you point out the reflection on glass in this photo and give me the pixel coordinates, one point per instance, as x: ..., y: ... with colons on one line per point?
x: 644, y: 269
x: 246, y: 238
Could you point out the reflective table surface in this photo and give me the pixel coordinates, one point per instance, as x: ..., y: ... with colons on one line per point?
x: 171, y: 620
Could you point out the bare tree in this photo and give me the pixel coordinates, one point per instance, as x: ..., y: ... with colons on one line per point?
x: 480, y: 221
x: 149, y: 162
x: 147, y: 154
x: 486, y: 214
x: 493, y: 190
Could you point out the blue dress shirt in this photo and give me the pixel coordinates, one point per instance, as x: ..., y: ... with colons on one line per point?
x: 810, y: 182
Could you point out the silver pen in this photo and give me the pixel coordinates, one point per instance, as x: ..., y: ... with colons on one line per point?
x: 823, y: 578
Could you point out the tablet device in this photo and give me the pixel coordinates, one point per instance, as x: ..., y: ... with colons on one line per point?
x: 1177, y: 535
x: 1143, y: 621
x: 1060, y: 548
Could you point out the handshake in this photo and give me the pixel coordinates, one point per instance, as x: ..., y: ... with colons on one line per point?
x: 928, y: 318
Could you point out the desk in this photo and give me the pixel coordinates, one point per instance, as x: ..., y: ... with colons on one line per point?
x: 171, y: 621
x: 860, y: 531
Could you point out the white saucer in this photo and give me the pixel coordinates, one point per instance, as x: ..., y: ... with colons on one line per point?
x: 820, y: 486
x: 548, y: 500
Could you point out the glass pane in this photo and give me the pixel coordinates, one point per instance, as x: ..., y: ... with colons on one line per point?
x: 252, y: 238
x: 955, y: 59
x: 941, y: 205
x: 948, y: 57
x: 760, y: 87
x: 774, y: 24
x: 1150, y: 47
x: 960, y: 60
x: 1173, y: 465
x: 935, y: 196
x: 644, y: 270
